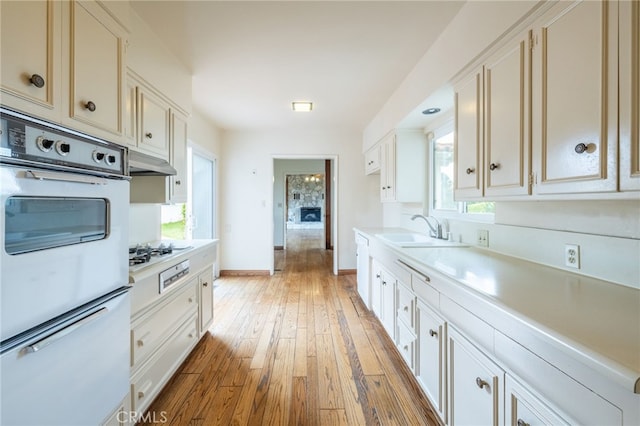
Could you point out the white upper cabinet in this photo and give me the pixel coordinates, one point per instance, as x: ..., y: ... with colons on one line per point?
x: 30, y: 44
x: 63, y: 61
x: 575, y: 98
x: 178, y: 183
x: 402, y: 166
x: 372, y: 160
x: 507, y: 145
x: 468, y: 151
x: 629, y: 96
x: 96, y: 75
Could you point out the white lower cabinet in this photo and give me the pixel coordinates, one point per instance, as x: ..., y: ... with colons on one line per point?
x: 205, y: 284
x: 161, y: 338
x: 430, y: 365
x: 383, y: 298
x: 475, y: 384
x: 523, y: 408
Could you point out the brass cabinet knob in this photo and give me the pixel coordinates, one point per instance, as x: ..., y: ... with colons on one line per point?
x: 433, y: 333
x: 470, y: 170
x: 494, y: 166
x: 37, y: 80
x: 580, y: 148
x: 481, y: 383
x: 90, y: 106
x: 148, y: 135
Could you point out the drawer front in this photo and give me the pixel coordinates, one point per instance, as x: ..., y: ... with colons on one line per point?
x: 147, y: 334
x: 425, y: 291
x: 148, y: 382
x: 478, y: 330
x: 406, y: 306
x: 406, y: 344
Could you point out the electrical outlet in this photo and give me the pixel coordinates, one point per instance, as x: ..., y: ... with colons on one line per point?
x: 483, y: 238
x: 572, y: 255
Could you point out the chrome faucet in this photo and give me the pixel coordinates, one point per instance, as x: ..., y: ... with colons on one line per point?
x: 436, y: 231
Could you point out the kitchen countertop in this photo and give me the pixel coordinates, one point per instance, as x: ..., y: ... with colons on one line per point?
x: 594, y: 321
x: 182, y: 249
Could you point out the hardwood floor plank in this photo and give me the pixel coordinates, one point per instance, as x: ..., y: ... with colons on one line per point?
x: 297, y: 348
x: 329, y: 390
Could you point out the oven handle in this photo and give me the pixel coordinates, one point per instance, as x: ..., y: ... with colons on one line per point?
x: 65, y: 177
x: 40, y: 344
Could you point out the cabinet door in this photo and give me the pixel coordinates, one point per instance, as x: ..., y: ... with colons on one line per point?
x: 629, y: 96
x: 30, y: 45
x: 525, y: 409
x: 97, y: 69
x: 131, y: 113
x: 575, y: 98
x: 389, y: 304
x: 431, y: 369
x: 475, y: 384
x: 153, y: 124
x: 388, y: 169
x: 372, y: 160
x: 178, y: 182
x: 468, y: 138
x: 376, y: 289
x: 205, y: 281
x: 506, y: 120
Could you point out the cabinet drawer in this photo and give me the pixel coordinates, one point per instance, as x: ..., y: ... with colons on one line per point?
x: 146, y: 384
x: 406, y: 307
x: 471, y: 325
x: 406, y: 344
x: 153, y: 328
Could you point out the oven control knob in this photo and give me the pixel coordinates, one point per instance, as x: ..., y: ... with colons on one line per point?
x: 110, y: 159
x: 63, y: 148
x: 44, y: 144
x: 98, y: 156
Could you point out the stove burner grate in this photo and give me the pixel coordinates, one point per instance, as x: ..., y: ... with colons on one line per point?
x: 140, y: 254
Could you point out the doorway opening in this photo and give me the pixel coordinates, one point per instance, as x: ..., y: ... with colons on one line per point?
x: 303, y: 207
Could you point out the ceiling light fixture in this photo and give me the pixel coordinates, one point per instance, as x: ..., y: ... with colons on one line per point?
x: 302, y: 106
x: 430, y: 111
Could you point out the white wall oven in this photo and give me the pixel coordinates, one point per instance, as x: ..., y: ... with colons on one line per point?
x: 64, y: 303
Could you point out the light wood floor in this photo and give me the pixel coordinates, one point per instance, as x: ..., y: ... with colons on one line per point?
x: 297, y: 348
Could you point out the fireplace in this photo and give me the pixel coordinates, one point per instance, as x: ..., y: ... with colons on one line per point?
x: 310, y: 214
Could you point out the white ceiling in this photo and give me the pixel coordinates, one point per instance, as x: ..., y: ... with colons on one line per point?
x: 250, y: 60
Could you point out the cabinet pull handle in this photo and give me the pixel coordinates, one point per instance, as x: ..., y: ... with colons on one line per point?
x: 481, y: 383
x: 580, y: 148
x: 433, y: 333
x: 494, y: 166
x: 148, y: 135
x: 406, y: 347
x: 423, y: 276
x: 406, y: 309
x: 388, y: 187
x: 377, y: 275
x: 178, y: 182
x: 144, y: 389
x: 37, y: 80
x: 204, y: 284
x: 470, y: 170
x: 90, y: 106
x: 522, y: 423
x: 384, y: 283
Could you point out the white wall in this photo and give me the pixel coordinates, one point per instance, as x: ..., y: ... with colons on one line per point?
x: 473, y: 30
x: 246, y: 197
x: 283, y: 167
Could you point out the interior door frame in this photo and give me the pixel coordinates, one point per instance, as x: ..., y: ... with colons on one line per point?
x: 334, y: 201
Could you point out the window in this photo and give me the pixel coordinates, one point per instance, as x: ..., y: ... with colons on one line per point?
x: 441, y: 192
x: 194, y: 219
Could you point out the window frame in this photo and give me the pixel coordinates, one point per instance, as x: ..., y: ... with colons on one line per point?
x: 437, y: 130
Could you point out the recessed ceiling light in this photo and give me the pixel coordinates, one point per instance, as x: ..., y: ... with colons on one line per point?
x: 429, y: 111
x: 302, y: 106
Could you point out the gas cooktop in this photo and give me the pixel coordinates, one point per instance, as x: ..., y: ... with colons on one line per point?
x: 140, y: 254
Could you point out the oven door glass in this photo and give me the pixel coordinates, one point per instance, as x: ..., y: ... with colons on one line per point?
x: 40, y: 223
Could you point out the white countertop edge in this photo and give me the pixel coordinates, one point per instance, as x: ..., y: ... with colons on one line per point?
x: 609, y: 368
